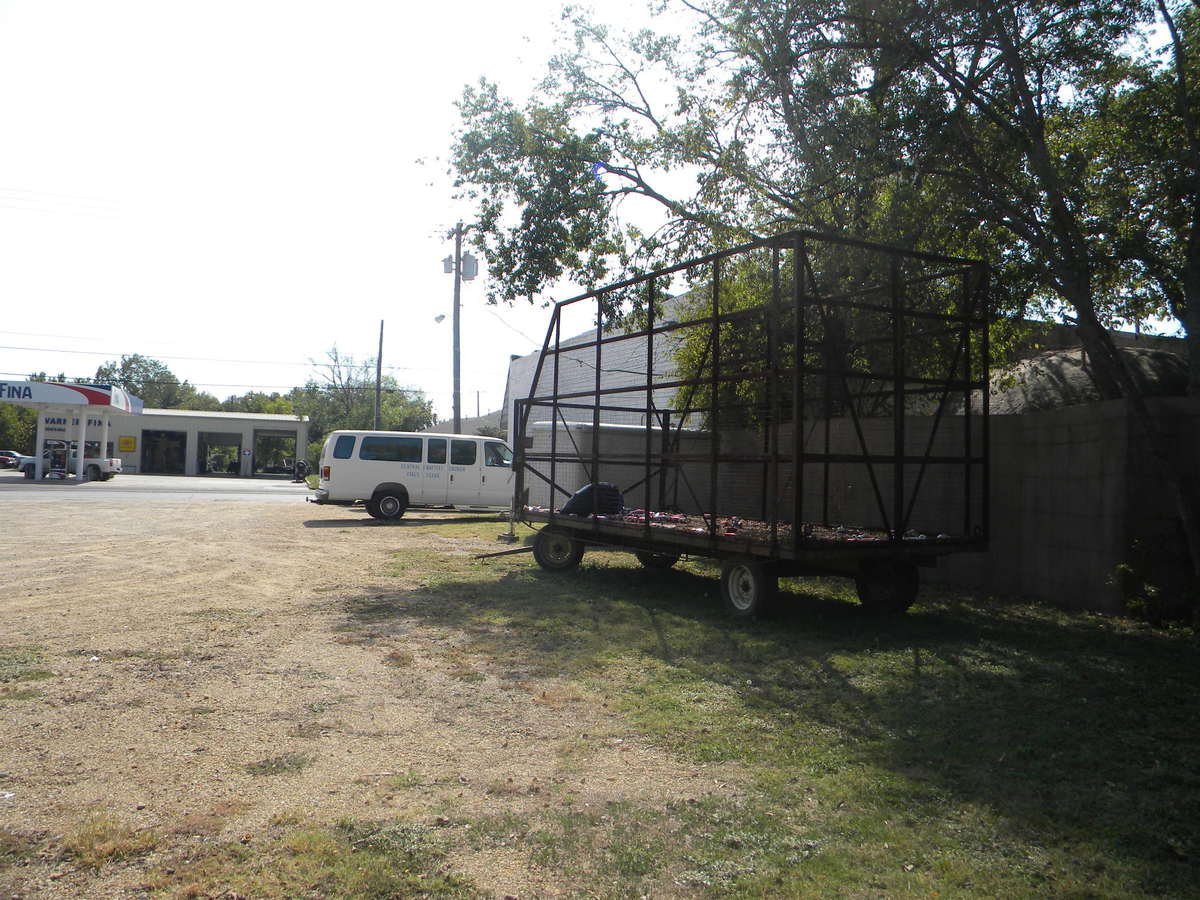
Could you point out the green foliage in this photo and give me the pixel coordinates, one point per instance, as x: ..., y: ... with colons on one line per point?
x: 154, y: 383
x: 1032, y: 135
x: 532, y: 161
x: 260, y: 402
x: 344, y: 397
x: 18, y: 428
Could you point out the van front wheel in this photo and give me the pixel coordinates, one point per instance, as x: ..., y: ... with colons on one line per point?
x: 390, y: 505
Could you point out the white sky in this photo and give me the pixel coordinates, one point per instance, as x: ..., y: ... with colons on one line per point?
x: 240, y: 181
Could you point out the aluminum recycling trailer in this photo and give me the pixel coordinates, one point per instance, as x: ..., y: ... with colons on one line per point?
x: 801, y: 404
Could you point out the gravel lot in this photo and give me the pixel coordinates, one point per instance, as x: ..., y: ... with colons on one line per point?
x: 183, y: 641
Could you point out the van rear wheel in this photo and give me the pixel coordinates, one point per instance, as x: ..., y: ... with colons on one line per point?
x: 391, y: 505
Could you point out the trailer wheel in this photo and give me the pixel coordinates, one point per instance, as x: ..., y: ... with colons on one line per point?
x: 556, y: 551
x: 656, y: 560
x: 27, y: 471
x: 93, y: 473
x: 372, y: 509
x: 888, y: 586
x: 747, y: 589
x: 390, y: 504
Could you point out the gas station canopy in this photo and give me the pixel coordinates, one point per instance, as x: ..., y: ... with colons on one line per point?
x: 40, y: 394
x: 82, y: 400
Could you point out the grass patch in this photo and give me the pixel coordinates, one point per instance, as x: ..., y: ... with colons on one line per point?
x: 405, y: 780
x: 974, y: 747
x: 22, y: 664
x: 398, y: 658
x: 101, y: 838
x: 350, y: 859
x: 320, y: 706
x: 460, y: 667
x: 16, y: 848
x: 7, y: 693
x: 308, y: 730
x: 284, y: 764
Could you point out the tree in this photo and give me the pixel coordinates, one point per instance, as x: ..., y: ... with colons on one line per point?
x: 259, y: 402
x: 342, y: 396
x: 154, y: 383
x: 18, y: 428
x: 935, y: 125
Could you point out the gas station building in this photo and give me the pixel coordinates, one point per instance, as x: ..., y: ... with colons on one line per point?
x: 194, y: 442
x: 111, y: 423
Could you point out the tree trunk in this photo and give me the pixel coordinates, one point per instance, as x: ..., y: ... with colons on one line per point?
x: 1176, y: 471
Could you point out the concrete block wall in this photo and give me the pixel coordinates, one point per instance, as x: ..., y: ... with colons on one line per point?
x: 1059, y: 511
x: 1071, y: 490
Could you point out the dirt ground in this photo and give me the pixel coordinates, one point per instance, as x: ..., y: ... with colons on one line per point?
x: 186, y: 641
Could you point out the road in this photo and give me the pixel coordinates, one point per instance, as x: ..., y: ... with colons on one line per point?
x: 15, y: 488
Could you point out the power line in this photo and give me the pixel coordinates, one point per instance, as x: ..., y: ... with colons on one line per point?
x: 207, y: 384
x: 249, y: 362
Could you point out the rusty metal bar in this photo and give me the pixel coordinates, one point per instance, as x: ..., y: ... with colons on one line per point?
x: 797, y: 395
x: 898, y: 405
x: 554, y: 413
x: 714, y: 386
x: 649, y: 395
x: 775, y: 414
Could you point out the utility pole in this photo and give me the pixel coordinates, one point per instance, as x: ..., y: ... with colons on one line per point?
x: 458, y: 233
x: 464, y: 267
x: 379, y: 377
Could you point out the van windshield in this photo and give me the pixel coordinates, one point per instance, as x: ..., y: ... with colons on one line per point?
x: 496, y: 455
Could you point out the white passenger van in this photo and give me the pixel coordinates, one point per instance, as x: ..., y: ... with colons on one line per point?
x: 389, y: 471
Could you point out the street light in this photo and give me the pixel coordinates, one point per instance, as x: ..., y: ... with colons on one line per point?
x: 465, y: 267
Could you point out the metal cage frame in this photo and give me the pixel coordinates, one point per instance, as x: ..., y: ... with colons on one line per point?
x: 789, y: 399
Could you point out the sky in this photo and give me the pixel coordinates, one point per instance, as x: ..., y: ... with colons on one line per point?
x: 236, y: 187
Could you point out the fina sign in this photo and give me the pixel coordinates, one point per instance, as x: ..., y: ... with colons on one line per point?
x: 53, y: 393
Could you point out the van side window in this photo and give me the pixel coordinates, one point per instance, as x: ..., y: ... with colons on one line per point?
x: 462, y: 453
x: 496, y: 455
x: 344, y: 446
x: 437, y: 450
x: 391, y: 449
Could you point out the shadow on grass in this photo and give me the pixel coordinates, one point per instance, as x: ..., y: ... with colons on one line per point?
x: 407, y: 522
x: 1079, y: 731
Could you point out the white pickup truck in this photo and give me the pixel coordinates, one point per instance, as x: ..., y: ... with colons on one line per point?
x: 94, y: 468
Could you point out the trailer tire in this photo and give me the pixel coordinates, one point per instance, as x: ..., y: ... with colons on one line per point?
x: 27, y: 471
x: 391, y: 505
x: 556, y: 551
x: 93, y: 473
x: 656, y: 560
x: 372, y: 509
x: 748, y: 589
x: 887, y: 587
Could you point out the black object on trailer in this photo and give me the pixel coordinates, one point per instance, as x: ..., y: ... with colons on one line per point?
x: 810, y: 404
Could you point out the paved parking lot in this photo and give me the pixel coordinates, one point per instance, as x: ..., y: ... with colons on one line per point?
x: 14, y: 487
